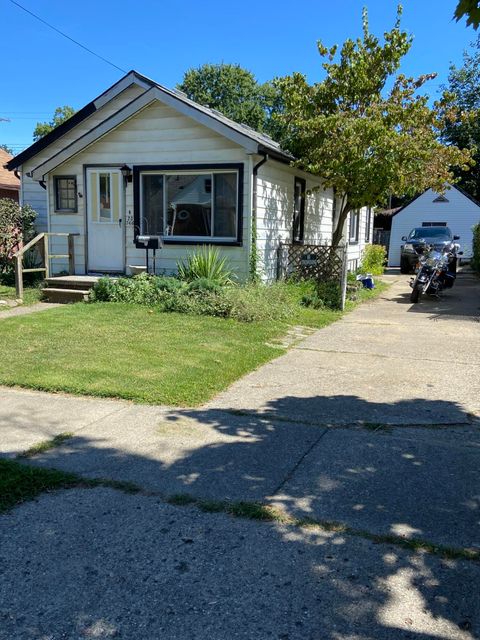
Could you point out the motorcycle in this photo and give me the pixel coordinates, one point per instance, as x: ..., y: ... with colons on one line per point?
x: 436, y: 271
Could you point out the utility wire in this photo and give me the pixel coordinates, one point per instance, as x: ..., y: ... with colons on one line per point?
x: 68, y: 37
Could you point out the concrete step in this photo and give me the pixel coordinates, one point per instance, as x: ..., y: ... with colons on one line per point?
x: 83, y: 283
x: 60, y: 295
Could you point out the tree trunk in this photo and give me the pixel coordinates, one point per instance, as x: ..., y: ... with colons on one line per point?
x: 337, y: 235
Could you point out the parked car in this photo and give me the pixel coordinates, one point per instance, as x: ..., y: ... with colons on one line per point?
x: 439, y: 237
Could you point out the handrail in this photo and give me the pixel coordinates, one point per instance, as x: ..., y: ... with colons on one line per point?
x: 18, y: 258
x: 29, y: 245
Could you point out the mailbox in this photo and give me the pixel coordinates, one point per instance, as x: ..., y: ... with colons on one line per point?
x: 148, y: 242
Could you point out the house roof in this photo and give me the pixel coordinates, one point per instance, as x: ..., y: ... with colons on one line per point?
x: 451, y: 186
x: 8, y: 180
x: 208, y: 117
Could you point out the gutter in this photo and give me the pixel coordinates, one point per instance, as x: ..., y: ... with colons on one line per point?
x: 253, y: 248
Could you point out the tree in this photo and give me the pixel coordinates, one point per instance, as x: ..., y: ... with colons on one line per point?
x: 233, y: 91
x: 470, y: 9
x: 366, y: 140
x: 16, y: 224
x: 6, y: 148
x: 464, y: 129
x: 61, y: 114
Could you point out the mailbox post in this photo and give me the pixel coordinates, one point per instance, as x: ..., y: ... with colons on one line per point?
x: 149, y: 242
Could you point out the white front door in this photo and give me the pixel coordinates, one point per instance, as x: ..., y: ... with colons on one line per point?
x: 105, y: 220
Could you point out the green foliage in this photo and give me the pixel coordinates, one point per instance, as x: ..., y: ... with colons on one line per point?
x: 202, y: 285
x: 471, y: 10
x: 233, y: 91
x: 365, y: 130
x: 205, y: 262
x: 374, y: 259
x: 462, y: 126
x: 16, y: 225
x: 60, y: 115
x: 6, y: 148
x: 476, y: 247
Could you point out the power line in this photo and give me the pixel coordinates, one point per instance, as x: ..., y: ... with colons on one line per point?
x: 68, y: 37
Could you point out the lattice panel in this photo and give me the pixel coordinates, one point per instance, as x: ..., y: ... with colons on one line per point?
x: 310, y: 261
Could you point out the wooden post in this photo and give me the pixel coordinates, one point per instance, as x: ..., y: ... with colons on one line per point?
x: 71, y: 257
x: 19, y: 276
x: 344, y: 275
x: 46, y: 256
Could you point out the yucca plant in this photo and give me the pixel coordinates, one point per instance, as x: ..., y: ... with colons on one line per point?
x: 205, y: 262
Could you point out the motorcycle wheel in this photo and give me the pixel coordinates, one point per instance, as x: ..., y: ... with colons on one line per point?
x: 415, y: 295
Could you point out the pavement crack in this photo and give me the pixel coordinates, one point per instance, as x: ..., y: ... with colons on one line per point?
x: 293, y: 470
x: 379, y: 355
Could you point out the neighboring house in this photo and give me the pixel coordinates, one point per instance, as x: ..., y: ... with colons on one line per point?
x: 455, y: 209
x: 9, y: 183
x: 196, y: 178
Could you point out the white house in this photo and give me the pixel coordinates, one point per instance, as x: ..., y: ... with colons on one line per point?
x: 455, y: 209
x: 196, y: 178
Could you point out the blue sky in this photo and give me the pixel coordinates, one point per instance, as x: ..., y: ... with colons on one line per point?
x: 42, y: 70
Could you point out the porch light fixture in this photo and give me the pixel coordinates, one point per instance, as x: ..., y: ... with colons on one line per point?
x: 126, y: 173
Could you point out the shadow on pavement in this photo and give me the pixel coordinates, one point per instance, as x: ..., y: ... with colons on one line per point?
x: 293, y: 583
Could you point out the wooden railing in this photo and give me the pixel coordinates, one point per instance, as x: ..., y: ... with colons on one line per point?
x: 43, y: 238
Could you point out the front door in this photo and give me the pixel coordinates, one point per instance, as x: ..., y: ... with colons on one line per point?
x: 105, y: 220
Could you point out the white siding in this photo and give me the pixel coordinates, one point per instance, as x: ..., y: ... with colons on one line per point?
x: 156, y: 135
x: 275, y: 206
x: 356, y: 249
x: 460, y: 213
x: 36, y: 196
x: 32, y: 193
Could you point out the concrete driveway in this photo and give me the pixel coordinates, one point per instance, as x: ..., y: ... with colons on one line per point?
x: 372, y: 422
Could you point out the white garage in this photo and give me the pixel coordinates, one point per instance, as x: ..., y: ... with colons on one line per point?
x: 455, y: 209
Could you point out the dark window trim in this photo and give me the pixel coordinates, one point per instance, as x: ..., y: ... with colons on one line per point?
x: 303, y: 184
x: 57, y: 209
x: 368, y: 225
x: 239, y: 167
x: 355, y: 240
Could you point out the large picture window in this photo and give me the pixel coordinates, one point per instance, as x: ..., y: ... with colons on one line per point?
x: 189, y: 205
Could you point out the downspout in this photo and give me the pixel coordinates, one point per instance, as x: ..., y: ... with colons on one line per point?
x: 253, y: 248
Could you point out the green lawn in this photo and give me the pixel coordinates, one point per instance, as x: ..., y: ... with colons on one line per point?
x: 137, y: 353
x: 131, y: 352
x: 30, y: 294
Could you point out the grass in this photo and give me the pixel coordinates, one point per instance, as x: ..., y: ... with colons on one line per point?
x: 19, y: 483
x: 137, y: 353
x: 46, y: 445
x: 131, y: 352
x: 30, y: 294
x: 267, y: 513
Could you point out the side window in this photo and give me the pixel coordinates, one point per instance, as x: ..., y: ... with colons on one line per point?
x: 354, y: 224
x: 434, y: 224
x: 368, y: 224
x: 299, y: 210
x: 65, y: 194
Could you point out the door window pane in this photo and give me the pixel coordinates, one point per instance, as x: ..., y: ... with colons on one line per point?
x: 152, y: 210
x: 225, y: 207
x: 189, y: 199
x: 105, y: 197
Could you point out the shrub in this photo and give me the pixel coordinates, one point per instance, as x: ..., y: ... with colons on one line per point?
x: 205, y: 262
x: 142, y: 289
x: 374, y: 259
x: 202, y: 285
x: 329, y: 292
x: 16, y: 225
x: 253, y: 302
x: 476, y: 247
